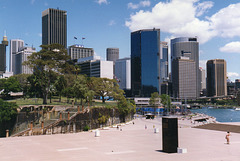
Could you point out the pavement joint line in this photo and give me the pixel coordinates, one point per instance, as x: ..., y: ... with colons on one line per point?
x: 72, y: 149
x: 120, y: 152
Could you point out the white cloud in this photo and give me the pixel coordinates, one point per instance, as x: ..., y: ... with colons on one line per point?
x: 232, y: 47
x: 233, y: 75
x: 40, y: 34
x: 181, y: 18
x: 145, y: 3
x: 111, y: 23
x: 203, y: 8
x: 45, y: 4
x: 227, y: 21
x: 102, y: 1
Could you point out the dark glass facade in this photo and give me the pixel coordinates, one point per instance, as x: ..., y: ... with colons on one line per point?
x: 145, y: 62
x: 3, y: 55
x: 54, y: 27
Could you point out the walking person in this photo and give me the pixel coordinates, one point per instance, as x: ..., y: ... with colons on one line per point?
x: 227, y: 137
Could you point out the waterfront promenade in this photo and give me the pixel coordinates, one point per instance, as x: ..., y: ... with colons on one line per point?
x: 133, y: 143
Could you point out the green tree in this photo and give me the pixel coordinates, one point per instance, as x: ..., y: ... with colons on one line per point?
x: 11, y: 85
x: 8, y: 114
x: 80, y: 88
x: 166, y: 101
x: 23, y: 80
x: 154, y: 99
x: 60, y: 85
x: 50, y: 61
x: 106, y: 87
x: 2, y: 81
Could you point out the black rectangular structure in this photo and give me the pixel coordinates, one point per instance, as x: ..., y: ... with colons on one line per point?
x: 170, y: 134
x: 54, y: 27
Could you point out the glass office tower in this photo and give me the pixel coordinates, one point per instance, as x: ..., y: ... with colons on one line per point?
x: 54, y: 27
x: 185, y: 47
x: 145, y: 62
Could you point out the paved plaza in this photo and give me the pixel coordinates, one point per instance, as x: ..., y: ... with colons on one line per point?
x: 132, y: 143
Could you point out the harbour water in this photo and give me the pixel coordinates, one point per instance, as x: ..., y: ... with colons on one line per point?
x: 221, y: 115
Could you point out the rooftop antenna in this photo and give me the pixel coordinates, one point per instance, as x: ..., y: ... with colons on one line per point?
x: 5, y: 33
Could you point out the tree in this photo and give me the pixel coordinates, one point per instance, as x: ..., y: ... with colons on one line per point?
x: 166, y: 100
x: 104, y: 87
x: 11, y: 85
x: 154, y: 99
x: 50, y: 61
x: 80, y: 88
x: 23, y: 80
x: 8, y: 114
x: 60, y: 85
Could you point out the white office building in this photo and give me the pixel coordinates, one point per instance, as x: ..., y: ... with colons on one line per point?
x: 123, y: 73
x: 94, y: 67
x: 78, y: 51
x: 20, y: 57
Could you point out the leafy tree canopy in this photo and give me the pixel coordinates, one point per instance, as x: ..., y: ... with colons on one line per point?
x: 8, y: 114
x: 49, y: 62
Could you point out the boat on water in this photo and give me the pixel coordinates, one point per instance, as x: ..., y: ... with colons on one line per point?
x: 237, y: 108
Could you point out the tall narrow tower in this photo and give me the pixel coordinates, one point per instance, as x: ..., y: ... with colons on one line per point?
x: 15, y: 46
x: 145, y: 62
x: 3, y: 54
x: 54, y: 27
x: 216, y: 78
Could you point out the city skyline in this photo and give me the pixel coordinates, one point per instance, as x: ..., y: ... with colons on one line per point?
x: 108, y: 23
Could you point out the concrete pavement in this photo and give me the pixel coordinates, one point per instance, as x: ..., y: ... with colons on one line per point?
x: 133, y: 143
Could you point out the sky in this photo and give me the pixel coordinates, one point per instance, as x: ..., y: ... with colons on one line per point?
x: 109, y: 23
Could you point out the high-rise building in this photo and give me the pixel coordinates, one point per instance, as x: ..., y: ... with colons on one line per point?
x: 145, y: 62
x: 186, y: 47
x: 3, y: 54
x: 78, y: 52
x: 123, y: 73
x: 54, y: 27
x: 202, y: 75
x: 94, y: 67
x: 21, y: 56
x: 164, y: 62
x: 15, y: 46
x: 216, y: 78
x: 237, y: 84
x: 184, y: 78
x: 112, y: 54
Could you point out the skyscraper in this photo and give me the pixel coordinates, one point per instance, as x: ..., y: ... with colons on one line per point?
x: 164, y: 62
x: 184, y: 78
x: 216, y: 78
x: 54, y: 27
x: 202, y: 77
x: 123, y: 73
x: 145, y: 62
x: 112, y: 54
x: 15, y: 45
x: 186, y: 47
x: 3, y: 54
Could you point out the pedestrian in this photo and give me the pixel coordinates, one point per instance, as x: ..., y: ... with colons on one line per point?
x: 227, y: 137
x: 145, y: 126
x: 133, y: 122
x: 153, y: 126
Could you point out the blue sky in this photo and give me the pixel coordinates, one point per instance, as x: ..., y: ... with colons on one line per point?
x: 108, y: 23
